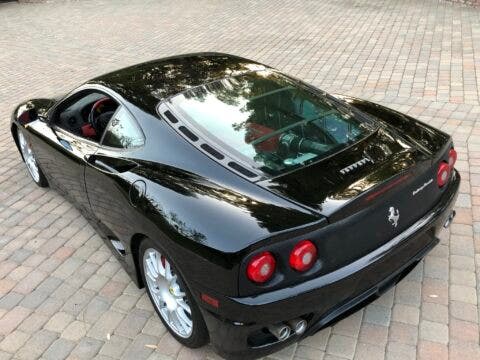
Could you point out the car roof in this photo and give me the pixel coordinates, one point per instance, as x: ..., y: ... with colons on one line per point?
x: 147, y: 84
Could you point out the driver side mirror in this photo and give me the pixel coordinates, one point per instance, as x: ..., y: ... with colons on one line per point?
x: 26, y: 113
x: 35, y: 109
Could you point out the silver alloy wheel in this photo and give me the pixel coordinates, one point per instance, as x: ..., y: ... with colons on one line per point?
x: 29, y: 157
x: 168, y: 296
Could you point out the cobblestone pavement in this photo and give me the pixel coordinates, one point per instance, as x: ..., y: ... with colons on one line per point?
x: 62, y: 294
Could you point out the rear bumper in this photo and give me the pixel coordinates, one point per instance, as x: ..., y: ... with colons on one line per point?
x: 241, y: 333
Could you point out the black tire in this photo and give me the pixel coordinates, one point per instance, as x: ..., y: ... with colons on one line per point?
x: 199, y: 336
x: 42, y: 180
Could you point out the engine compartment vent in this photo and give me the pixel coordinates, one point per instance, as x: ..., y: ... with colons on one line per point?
x: 118, y: 246
x: 241, y: 169
x: 212, y: 151
x: 178, y: 123
x: 188, y: 133
x: 170, y: 117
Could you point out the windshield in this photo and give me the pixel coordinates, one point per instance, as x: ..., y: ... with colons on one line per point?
x: 272, y: 121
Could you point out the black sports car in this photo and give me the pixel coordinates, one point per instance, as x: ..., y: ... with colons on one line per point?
x: 255, y: 209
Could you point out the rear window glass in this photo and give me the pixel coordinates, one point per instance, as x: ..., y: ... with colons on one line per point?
x: 271, y: 121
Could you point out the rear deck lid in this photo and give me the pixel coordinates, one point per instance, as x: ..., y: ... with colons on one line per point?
x: 382, y: 184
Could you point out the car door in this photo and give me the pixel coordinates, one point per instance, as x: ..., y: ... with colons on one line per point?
x: 108, y: 177
x: 63, y: 155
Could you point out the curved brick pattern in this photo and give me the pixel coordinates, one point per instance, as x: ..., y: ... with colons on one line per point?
x: 62, y: 294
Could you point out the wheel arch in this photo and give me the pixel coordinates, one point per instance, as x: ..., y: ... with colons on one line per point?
x: 161, y: 241
x: 14, y: 131
x: 135, y: 242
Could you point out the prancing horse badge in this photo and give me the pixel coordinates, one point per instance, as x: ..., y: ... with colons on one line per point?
x: 393, y: 216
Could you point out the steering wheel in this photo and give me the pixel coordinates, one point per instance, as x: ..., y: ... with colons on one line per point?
x: 96, y: 111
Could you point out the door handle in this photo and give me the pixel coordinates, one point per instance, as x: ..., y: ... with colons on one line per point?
x: 111, y: 165
x: 100, y: 165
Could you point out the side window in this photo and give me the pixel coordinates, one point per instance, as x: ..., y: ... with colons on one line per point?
x: 123, y: 131
x: 85, y: 114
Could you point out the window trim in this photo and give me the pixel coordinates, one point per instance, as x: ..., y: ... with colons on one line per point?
x: 73, y: 136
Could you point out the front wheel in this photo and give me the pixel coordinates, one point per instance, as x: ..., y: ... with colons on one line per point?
x: 170, y: 297
x: 30, y: 161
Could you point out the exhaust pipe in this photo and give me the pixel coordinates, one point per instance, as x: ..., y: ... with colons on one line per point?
x: 449, y: 219
x: 280, y: 331
x: 298, y: 326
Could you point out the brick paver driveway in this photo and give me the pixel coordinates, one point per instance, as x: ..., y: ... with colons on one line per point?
x: 62, y: 294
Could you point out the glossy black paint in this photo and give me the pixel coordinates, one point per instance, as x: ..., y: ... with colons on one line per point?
x: 209, y: 220
x: 326, y: 298
x: 145, y: 85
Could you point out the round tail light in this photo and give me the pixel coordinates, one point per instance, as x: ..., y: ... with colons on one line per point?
x: 261, y: 267
x: 452, y: 158
x: 443, y: 174
x: 303, y: 256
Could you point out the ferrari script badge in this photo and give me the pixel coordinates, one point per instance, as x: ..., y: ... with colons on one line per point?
x: 393, y: 215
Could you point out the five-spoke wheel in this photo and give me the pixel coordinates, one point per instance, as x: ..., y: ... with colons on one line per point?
x: 30, y: 161
x: 170, y: 296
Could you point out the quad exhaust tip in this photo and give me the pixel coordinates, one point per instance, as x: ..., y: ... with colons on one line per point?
x: 449, y: 220
x: 298, y: 326
x: 282, y: 331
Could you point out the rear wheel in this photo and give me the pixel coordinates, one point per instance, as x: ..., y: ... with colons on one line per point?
x: 30, y: 161
x: 170, y: 297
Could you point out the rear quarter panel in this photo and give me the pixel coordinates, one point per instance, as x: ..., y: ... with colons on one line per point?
x: 205, y: 216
